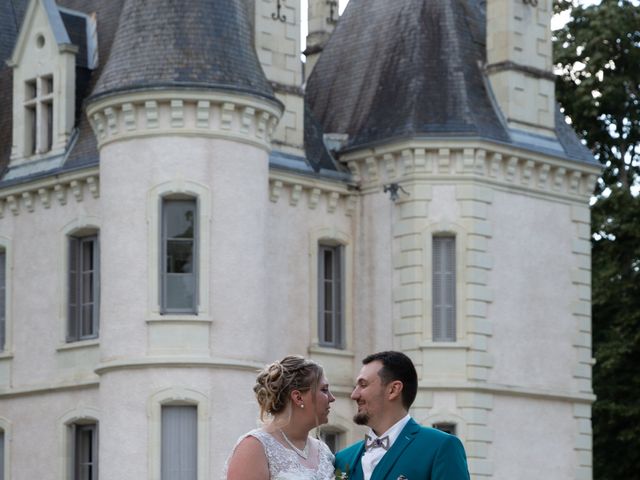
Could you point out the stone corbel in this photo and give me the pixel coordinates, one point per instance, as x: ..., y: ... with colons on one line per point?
x: 45, y: 197
x: 276, y: 191
x: 12, y: 201
x: 27, y: 200
x: 296, y: 193
x: 314, y: 198
x: 333, y: 202
x: 61, y: 193
x: 93, y: 186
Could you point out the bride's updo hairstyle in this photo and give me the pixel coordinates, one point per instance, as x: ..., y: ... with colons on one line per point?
x: 276, y: 381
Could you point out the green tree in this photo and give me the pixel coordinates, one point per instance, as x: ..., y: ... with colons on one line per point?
x: 598, y: 58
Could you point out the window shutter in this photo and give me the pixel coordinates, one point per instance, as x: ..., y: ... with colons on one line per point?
x: 3, y: 301
x: 444, y: 289
x: 72, y: 321
x: 2, y: 455
x: 179, y: 443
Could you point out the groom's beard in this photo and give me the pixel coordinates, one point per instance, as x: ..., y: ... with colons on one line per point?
x: 361, y: 419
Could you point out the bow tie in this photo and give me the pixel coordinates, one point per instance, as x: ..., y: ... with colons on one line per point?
x: 376, y: 442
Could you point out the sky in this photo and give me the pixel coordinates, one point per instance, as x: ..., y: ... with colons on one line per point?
x: 556, y: 22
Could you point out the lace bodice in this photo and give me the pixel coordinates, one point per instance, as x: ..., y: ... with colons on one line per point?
x: 285, y: 464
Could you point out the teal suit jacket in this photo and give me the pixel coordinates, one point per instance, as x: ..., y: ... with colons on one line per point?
x: 419, y: 453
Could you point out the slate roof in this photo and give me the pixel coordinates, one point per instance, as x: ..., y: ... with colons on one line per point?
x: 413, y: 68
x: 159, y: 43
x: 203, y: 44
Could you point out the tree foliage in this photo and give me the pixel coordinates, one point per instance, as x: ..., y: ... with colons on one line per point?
x: 598, y: 57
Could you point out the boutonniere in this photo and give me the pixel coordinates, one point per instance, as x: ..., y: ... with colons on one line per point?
x: 340, y: 475
x: 402, y: 477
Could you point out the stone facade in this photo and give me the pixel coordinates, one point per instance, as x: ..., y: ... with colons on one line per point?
x: 272, y: 183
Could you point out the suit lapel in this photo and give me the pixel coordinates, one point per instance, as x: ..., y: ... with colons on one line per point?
x: 406, y: 436
x: 355, y: 468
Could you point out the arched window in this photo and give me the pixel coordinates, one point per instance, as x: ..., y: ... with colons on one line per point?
x: 179, y: 255
x: 83, y: 285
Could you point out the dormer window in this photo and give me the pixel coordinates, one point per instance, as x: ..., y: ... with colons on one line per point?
x: 52, y: 61
x: 38, y: 106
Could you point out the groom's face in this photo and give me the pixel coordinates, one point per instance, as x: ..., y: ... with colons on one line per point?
x: 369, y: 394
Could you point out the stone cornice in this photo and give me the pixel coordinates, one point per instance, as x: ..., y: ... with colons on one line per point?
x: 62, y: 188
x: 215, y: 114
x: 511, y: 390
x: 294, y: 188
x: 453, y: 161
x: 177, y: 362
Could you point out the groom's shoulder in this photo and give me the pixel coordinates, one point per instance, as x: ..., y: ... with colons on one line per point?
x: 349, y: 451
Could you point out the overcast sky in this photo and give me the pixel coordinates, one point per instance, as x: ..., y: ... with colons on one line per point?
x: 556, y: 22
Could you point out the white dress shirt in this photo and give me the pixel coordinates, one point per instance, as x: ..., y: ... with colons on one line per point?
x: 372, y: 457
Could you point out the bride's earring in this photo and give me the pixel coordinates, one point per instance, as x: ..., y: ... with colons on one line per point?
x: 302, y: 405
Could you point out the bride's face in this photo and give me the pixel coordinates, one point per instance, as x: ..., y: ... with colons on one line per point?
x: 322, y: 401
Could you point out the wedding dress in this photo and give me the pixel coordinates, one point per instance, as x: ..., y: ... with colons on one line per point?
x: 286, y: 464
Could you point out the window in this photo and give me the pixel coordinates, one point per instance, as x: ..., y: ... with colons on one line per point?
x: 330, y: 296
x: 3, y: 302
x: 85, y: 452
x: 39, y: 115
x: 179, y: 442
x: 2, y: 454
x: 178, y: 278
x: 333, y: 438
x: 446, y: 427
x: 444, y: 289
x: 84, y: 276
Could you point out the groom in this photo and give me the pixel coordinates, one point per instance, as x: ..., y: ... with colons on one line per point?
x: 396, y: 447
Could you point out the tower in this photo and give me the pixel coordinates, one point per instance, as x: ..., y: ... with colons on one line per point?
x: 483, y: 241
x: 183, y: 116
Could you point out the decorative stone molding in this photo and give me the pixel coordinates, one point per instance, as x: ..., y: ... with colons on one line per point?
x: 475, y: 409
x: 235, y: 116
x: 490, y: 164
x: 28, y: 197
x: 584, y: 441
x: 475, y: 202
x: 333, y: 196
x: 581, y: 305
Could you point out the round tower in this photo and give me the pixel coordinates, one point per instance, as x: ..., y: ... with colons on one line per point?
x: 183, y: 117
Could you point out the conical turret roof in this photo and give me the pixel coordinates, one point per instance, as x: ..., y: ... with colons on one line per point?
x: 411, y: 68
x: 194, y: 44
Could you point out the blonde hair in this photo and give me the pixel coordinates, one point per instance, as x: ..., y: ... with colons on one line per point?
x: 276, y: 381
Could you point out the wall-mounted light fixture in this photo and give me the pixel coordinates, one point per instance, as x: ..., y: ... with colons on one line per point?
x: 394, y: 190
x: 278, y: 15
x: 333, y: 4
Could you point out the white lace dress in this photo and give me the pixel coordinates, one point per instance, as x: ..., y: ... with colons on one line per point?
x: 285, y: 464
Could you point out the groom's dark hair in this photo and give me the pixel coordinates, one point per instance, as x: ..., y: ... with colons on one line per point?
x: 397, y: 366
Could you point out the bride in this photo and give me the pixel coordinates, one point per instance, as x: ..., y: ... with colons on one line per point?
x: 295, y: 392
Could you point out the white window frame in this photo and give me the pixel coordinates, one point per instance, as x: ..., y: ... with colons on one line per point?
x: 336, y: 309
x: 331, y: 236
x: 444, y: 415
x: 6, y: 348
x: 78, y: 227
x: 67, y: 442
x: 178, y: 396
x: 164, y: 240
x: 460, y: 234
x: 5, y: 428
x: 75, y: 284
x: 39, y: 114
x: 154, y: 222
x: 76, y: 428
x: 444, y: 325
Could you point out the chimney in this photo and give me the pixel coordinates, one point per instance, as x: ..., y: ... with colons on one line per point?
x: 520, y: 64
x: 323, y: 16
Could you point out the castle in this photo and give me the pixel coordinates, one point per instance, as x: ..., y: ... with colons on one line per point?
x: 182, y: 200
